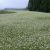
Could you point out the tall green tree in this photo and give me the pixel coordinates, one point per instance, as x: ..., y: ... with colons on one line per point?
x: 30, y: 5
x: 39, y: 5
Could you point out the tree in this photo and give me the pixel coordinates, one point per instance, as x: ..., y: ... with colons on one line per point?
x: 39, y: 5
x: 30, y: 5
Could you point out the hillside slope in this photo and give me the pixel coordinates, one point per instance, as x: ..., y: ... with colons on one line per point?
x: 25, y: 30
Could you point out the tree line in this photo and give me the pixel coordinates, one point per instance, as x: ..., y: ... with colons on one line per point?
x: 39, y: 5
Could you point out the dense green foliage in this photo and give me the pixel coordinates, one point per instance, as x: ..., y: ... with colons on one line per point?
x: 39, y: 5
x: 25, y: 31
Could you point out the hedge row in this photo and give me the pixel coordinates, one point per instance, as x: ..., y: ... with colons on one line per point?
x: 5, y: 12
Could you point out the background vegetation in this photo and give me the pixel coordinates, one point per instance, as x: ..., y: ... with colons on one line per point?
x: 39, y: 5
x: 6, y: 12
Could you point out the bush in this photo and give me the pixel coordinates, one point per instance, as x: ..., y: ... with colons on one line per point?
x: 5, y: 12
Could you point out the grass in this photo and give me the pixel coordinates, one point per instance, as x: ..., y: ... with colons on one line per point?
x: 25, y: 31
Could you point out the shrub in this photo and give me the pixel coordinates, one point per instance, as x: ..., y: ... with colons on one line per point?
x: 5, y: 12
